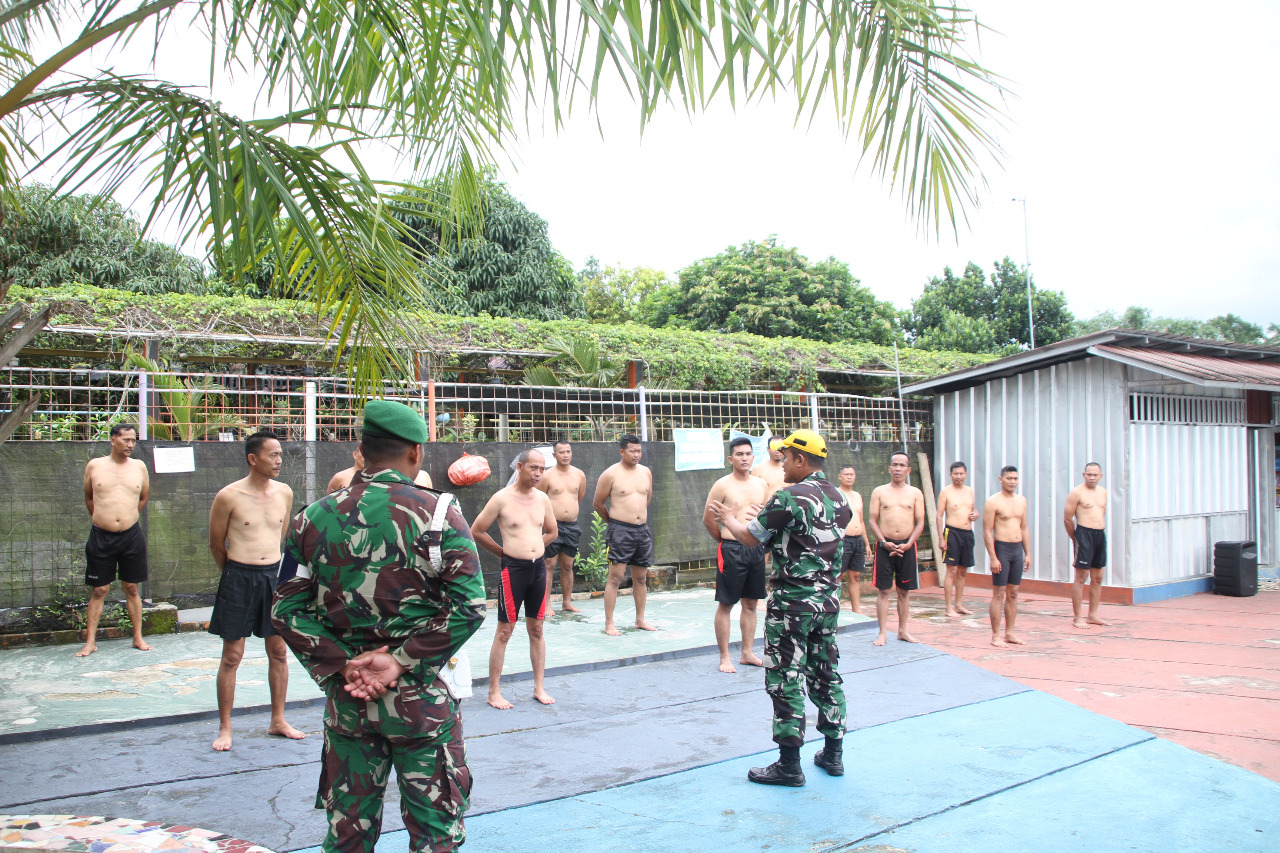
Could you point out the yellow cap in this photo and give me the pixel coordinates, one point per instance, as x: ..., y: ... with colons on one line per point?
x: 808, y: 441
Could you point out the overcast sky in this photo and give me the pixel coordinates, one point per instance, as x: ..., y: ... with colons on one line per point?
x: 1144, y: 137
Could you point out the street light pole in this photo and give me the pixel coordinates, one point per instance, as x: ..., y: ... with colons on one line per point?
x: 1026, y: 249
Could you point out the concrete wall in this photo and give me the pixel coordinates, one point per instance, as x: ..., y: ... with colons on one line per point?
x: 45, y: 522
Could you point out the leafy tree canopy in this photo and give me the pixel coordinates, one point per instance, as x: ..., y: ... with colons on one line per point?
x: 774, y: 291
x: 974, y: 313
x: 1226, y: 327
x: 510, y: 269
x: 446, y: 83
x: 48, y: 239
x: 620, y: 295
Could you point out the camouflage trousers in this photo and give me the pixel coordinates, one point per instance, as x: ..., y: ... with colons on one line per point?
x: 434, y: 787
x: 802, y: 647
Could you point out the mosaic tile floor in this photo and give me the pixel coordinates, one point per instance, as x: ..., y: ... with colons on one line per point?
x: 79, y: 834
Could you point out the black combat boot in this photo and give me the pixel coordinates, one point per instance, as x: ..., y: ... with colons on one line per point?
x: 785, y: 771
x: 829, y: 758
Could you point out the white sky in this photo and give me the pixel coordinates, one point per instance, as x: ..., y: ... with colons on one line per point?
x: 1143, y: 136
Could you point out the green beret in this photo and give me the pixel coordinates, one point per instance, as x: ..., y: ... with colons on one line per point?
x: 388, y: 419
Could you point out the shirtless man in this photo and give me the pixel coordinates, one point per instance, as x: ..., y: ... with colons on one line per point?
x: 740, y: 568
x: 957, y: 511
x: 566, y: 486
x: 771, y: 470
x: 116, y: 489
x: 897, y: 520
x: 247, y: 523
x: 854, y: 556
x: 628, y: 487
x: 342, y: 479
x: 1004, y: 529
x: 1086, y: 519
x: 528, y: 524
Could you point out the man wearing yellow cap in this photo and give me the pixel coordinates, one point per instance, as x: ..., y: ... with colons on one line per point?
x: 805, y: 523
x: 388, y: 589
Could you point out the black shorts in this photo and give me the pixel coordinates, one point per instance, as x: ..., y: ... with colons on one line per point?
x: 107, y: 552
x: 567, y: 538
x: 1091, y: 548
x: 739, y: 572
x: 888, y: 570
x: 854, y: 556
x: 243, y: 605
x: 958, y: 543
x: 1012, y: 561
x: 630, y: 544
x: 523, y: 582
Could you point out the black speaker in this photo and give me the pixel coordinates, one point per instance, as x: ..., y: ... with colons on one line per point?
x: 1235, y: 568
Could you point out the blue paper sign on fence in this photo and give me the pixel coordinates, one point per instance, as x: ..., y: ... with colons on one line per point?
x: 759, y: 446
x: 699, y: 449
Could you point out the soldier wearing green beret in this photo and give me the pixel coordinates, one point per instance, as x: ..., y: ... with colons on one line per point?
x: 388, y: 589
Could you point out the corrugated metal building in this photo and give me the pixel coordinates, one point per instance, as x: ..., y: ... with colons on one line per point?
x: 1184, y: 430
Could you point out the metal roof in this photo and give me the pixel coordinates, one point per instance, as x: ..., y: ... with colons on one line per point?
x: 1205, y: 370
x: 1201, y: 362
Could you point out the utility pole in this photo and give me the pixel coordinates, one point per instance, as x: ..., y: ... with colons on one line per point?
x: 1026, y: 254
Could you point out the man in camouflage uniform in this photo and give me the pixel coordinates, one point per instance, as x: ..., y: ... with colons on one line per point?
x: 388, y: 589
x: 805, y: 522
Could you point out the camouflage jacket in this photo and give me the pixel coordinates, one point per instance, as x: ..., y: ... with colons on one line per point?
x: 805, y: 522
x: 365, y: 580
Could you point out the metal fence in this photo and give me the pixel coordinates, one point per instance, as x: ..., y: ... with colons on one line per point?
x: 80, y: 404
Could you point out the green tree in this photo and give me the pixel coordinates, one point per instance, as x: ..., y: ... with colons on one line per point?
x: 974, y: 313
x: 510, y: 269
x: 1225, y: 327
x: 445, y: 84
x: 618, y: 295
x: 47, y: 240
x: 774, y: 291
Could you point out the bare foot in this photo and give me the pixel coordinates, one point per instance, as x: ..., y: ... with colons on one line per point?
x: 750, y: 660
x: 879, y: 641
x: 222, y: 742
x: 142, y: 645
x: 496, y: 700
x: 283, y: 729
x: 543, y: 697
x: 1010, y: 638
x: 951, y: 612
x: 1079, y: 622
x: 644, y: 626
x: 906, y: 638
x: 1094, y: 620
x: 727, y: 666
x: 963, y: 611
x: 89, y: 648
x: 612, y: 631
x: 999, y: 643
x: 569, y: 608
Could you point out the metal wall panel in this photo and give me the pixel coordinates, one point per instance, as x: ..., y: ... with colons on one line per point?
x: 1166, y: 549
x: 1181, y: 470
x: 1048, y: 423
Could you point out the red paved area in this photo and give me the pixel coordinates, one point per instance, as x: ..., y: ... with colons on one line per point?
x: 1202, y: 671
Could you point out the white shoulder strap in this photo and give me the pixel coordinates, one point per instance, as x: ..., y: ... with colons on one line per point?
x: 437, y: 531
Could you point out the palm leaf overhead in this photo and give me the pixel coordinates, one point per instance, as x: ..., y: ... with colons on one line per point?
x: 446, y: 83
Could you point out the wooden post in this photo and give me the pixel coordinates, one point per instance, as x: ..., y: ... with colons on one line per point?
x: 931, y: 514
x: 19, y: 413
